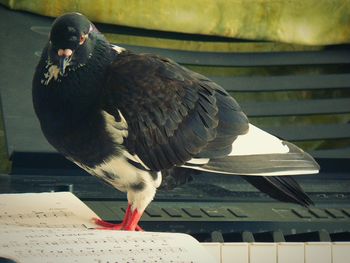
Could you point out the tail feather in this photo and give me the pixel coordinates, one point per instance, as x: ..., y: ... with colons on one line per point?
x: 262, y: 159
x: 284, y: 189
x: 259, y: 153
x: 294, y: 162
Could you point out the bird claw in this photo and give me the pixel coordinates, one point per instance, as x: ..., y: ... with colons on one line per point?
x: 109, y: 226
x: 133, y: 228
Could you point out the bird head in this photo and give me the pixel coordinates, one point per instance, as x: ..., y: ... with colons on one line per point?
x: 71, y: 41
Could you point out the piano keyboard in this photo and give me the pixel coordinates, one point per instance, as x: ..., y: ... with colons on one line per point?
x: 284, y: 252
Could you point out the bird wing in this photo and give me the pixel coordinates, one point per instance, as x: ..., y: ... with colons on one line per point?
x: 173, y: 114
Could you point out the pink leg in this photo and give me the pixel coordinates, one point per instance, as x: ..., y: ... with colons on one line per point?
x: 132, y: 224
x: 109, y: 226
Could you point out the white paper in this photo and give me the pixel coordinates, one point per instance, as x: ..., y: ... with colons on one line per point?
x: 61, y: 209
x: 53, y: 228
x: 54, y: 245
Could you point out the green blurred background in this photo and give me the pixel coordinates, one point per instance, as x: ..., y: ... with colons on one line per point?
x: 240, y: 26
x: 311, y: 22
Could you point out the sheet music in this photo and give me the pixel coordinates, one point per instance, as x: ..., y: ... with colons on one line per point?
x: 54, y: 245
x: 53, y: 228
x: 61, y: 209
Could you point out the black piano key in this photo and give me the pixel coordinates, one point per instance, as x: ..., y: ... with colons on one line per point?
x: 244, y: 236
x: 316, y: 236
x: 216, y: 236
x: 63, y: 188
x: 270, y: 236
x: 340, y: 236
x: 6, y: 260
x: 202, y: 237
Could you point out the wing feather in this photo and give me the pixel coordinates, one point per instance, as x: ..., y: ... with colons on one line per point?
x: 173, y: 114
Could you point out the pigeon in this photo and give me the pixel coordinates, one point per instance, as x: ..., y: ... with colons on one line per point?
x: 128, y: 118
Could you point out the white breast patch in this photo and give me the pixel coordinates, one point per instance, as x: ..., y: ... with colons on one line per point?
x: 117, y: 130
x: 52, y: 73
x: 118, y: 49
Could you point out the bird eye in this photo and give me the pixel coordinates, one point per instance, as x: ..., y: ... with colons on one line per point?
x: 82, y: 39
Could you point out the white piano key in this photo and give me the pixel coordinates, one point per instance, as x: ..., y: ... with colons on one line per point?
x: 290, y: 252
x: 318, y: 252
x: 341, y: 252
x: 263, y: 253
x: 214, y: 249
x: 235, y: 253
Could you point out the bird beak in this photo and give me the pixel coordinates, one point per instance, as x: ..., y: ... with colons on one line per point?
x: 64, y: 58
x: 63, y: 63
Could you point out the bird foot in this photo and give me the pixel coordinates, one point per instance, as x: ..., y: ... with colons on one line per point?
x: 106, y: 225
x: 130, y: 221
x: 134, y: 228
x: 109, y: 226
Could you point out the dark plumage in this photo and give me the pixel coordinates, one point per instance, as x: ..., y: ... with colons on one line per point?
x: 126, y: 117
